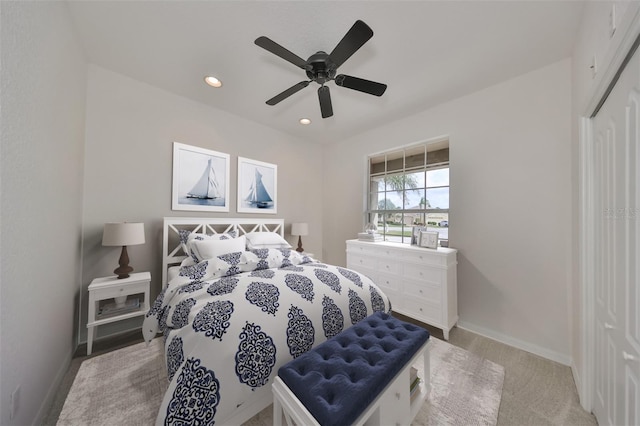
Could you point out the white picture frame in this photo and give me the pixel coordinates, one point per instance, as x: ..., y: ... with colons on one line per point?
x: 200, y: 179
x: 415, y: 234
x: 428, y: 239
x: 257, y: 187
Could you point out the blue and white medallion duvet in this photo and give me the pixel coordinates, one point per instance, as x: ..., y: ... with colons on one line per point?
x: 231, y: 322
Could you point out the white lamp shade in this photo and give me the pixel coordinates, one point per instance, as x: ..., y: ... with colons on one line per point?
x: 123, y: 234
x: 300, y: 229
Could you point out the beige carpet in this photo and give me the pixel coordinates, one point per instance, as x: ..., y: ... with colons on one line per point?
x: 125, y: 387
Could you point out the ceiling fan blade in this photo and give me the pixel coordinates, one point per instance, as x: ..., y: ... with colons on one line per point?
x: 280, y: 51
x: 360, y: 84
x: 357, y: 35
x: 325, y: 102
x: 290, y: 91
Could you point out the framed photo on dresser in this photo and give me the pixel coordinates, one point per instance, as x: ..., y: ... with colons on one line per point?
x: 428, y: 239
x: 415, y: 234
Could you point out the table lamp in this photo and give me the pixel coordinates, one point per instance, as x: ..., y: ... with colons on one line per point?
x: 299, y: 229
x: 123, y: 234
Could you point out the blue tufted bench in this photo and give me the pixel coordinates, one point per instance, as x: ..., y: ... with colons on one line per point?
x: 362, y: 374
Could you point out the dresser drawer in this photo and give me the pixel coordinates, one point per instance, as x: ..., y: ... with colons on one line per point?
x: 389, y: 252
x: 388, y: 266
x: 355, y: 261
x: 425, y: 291
x: 422, y: 309
x: 363, y: 249
x: 389, y: 282
x: 368, y: 272
x: 423, y: 273
x: 428, y: 257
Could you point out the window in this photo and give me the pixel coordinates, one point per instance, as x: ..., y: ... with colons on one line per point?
x: 408, y: 187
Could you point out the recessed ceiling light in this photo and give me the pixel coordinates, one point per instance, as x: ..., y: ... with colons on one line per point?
x: 305, y: 121
x: 212, y: 81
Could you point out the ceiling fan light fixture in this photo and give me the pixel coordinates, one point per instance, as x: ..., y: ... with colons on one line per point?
x: 212, y: 81
x: 305, y: 121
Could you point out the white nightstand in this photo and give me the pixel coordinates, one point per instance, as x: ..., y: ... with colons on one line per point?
x: 111, y: 288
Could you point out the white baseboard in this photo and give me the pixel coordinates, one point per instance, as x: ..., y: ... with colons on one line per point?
x: 516, y: 343
x: 578, y: 380
x: 53, y: 389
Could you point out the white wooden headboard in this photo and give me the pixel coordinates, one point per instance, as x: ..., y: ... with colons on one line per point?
x: 172, y: 253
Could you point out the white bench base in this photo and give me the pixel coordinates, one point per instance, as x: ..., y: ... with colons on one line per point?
x: 393, y: 406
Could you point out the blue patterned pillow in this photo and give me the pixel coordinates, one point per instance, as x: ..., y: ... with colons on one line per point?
x: 232, y: 263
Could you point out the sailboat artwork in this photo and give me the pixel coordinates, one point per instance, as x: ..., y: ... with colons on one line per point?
x: 200, y: 179
x: 258, y: 195
x: 207, y: 187
x: 257, y: 186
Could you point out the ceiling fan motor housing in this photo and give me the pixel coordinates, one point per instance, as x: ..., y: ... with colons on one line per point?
x: 320, y: 67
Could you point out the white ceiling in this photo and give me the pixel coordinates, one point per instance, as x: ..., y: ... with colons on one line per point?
x: 427, y: 52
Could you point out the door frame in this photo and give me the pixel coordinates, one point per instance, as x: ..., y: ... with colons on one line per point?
x: 615, y: 60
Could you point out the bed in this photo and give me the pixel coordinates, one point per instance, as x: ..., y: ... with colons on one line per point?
x: 237, y: 304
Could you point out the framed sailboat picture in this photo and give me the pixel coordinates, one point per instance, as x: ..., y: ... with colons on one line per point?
x: 257, y: 186
x: 200, y: 179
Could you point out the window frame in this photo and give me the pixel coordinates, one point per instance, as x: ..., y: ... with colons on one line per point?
x: 431, y: 145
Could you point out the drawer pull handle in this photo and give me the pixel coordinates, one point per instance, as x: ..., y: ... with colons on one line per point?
x: 608, y: 326
x: 420, y: 291
x: 398, y: 395
x: 628, y: 357
x: 420, y: 309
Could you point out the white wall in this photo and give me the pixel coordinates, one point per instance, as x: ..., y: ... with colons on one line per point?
x: 43, y: 84
x: 131, y: 127
x: 510, y: 203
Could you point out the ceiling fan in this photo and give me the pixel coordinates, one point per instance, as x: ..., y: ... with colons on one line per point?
x: 322, y: 67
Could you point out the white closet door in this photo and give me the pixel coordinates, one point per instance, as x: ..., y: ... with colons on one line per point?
x: 616, y: 196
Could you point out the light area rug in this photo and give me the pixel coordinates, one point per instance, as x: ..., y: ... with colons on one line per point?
x: 125, y: 387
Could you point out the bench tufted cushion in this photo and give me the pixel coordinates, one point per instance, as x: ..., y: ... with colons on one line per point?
x: 337, y: 380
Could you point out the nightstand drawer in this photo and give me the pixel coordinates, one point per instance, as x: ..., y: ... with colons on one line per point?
x: 119, y: 290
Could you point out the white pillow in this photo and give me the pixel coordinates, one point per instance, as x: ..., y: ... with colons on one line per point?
x: 186, y: 237
x: 210, y: 248
x: 257, y: 240
x: 223, y: 236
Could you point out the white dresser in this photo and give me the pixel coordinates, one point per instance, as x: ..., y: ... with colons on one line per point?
x: 421, y: 283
